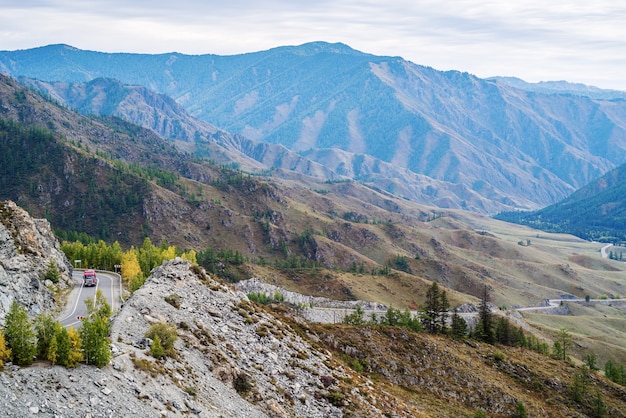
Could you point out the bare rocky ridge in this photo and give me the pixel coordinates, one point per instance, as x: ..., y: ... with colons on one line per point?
x: 27, y: 246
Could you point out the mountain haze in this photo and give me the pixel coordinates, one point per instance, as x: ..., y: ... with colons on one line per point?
x: 512, y: 148
x: 161, y: 114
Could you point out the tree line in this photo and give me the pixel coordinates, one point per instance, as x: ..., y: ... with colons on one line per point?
x: 23, y: 340
x: 136, y: 263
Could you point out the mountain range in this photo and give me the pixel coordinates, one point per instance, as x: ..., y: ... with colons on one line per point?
x: 137, y: 164
x: 448, y: 139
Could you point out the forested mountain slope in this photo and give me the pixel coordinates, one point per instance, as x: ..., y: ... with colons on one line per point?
x: 516, y: 149
x: 595, y: 212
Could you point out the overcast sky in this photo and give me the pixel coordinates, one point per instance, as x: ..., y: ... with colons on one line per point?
x: 579, y: 41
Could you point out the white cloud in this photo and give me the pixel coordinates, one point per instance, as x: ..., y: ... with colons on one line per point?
x: 579, y: 41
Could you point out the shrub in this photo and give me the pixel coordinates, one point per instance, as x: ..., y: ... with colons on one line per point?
x: 166, y: 334
x: 52, y: 273
x: 156, y: 349
x: 335, y: 398
x: 242, y: 383
x: 174, y: 300
x: 499, y: 356
x: 191, y: 391
x: 520, y: 410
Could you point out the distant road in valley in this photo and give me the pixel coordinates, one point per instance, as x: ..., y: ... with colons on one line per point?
x: 109, y: 284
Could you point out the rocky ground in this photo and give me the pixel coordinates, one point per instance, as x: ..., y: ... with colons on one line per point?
x: 232, y: 359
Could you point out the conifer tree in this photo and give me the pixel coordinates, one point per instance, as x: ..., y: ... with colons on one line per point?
x: 19, y: 335
x: 59, y: 347
x: 458, y: 326
x: 52, y: 273
x: 430, y: 318
x: 485, y: 330
x: 53, y: 350
x: 95, y: 330
x: 191, y: 257
x: 564, y: 339
x: 46, y: 327
x: 444, y: 306
x: 169, y: 253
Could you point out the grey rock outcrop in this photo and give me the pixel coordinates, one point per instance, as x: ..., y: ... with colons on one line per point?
x: 234, y: 357
x: 27, y: 247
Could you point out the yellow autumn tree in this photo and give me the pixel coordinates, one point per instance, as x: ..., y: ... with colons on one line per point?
x: 130, y: 264
x: 169, y: 253
x: 131, y: 270
x: 75, y: 355
x: 190, y: 256
x: 5, y: 352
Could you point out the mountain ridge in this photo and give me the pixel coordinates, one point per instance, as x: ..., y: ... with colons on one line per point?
x: 596, y: 211
x: 450, y: 126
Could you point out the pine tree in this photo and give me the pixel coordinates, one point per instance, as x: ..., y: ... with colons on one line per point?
x: 95, y: 330
x: 564, y: 339
x: 503, y: 331
x: 19, y: 335
x: 355, y: 318
x: 485, y: 330
x: 432, y: 309
x: 52, y: 273
x: 168, y: 253
x: 62, y: 342
x: 580, y: 384
x: 520, y: 410
x: 46, y: 327
x: 458, y: 326
x: 599, y: 407
x: 444, y: 306
x: 191, y: 257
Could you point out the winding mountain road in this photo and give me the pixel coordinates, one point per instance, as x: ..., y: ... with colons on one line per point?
x: 109, y: 284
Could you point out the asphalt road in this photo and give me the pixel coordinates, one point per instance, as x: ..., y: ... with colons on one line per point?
x: 108, y: 283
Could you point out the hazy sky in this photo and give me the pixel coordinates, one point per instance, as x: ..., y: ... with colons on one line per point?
x: 578, y: 41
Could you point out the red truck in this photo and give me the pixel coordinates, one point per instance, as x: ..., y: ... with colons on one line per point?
x: 89, y: 278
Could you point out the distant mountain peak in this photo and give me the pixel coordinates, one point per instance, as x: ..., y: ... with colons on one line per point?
x: 318, y: 47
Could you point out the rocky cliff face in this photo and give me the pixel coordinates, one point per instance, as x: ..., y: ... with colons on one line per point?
x: 27, y: 247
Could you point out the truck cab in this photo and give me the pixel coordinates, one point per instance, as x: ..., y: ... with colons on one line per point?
x: 89, y: 278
